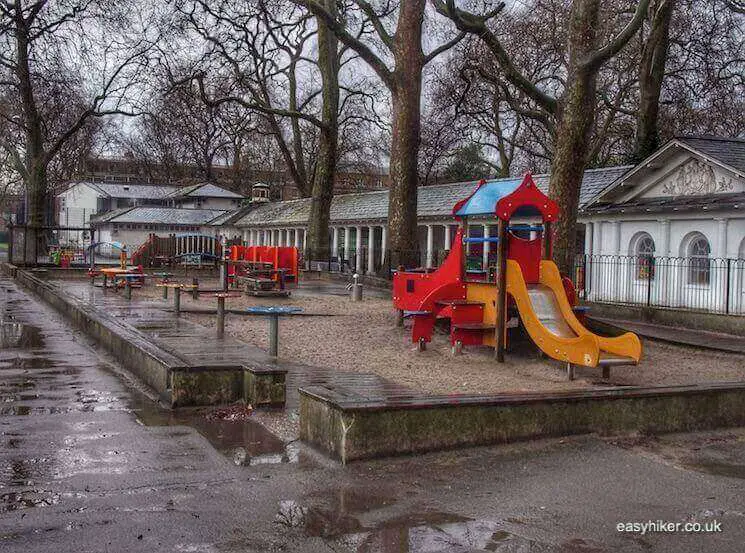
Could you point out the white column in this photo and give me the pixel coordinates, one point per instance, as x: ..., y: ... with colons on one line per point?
x: 619, y: 268
x: 430, y: 246
x: 383, y: 243
x: 346, y: 242
x: 371, y: 250
x: 447, y: 237
x: 486, y: 247
x: 335, y: 242
x: 358, y: 250
x: 663, y: 271
x: 720, y: 250
x: 588, y: 237
x: 297, y: 238
x: 600, y: 270
x: 615, y: 237
x: 719, y: 269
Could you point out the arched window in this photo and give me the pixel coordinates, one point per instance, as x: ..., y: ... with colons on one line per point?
x: 699, y: 268
x: 643, y: 252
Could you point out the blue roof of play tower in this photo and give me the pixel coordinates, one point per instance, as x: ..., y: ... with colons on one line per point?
x: 484, y: 200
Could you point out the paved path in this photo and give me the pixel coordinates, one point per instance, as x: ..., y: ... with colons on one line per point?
x: 197, y: 345
x: 79, y: 472
x: 684, y: 336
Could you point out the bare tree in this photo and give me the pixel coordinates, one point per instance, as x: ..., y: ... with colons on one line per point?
x: 46, y: 46
x: 402, y: 45
x: 574, y: 108
x: 651, y: 75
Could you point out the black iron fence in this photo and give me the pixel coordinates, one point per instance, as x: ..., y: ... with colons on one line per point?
x: 692, y: 283
x: 49, y: 245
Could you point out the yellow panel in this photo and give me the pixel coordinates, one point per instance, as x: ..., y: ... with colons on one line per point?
x: 487, y: 294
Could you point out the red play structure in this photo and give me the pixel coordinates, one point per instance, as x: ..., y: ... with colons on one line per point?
x: 263, y: 268
x: 524, y: 287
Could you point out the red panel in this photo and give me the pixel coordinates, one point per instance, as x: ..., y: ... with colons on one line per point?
x: 527, y: 194
x: 528, y: 255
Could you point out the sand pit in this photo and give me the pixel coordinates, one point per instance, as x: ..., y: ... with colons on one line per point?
x: 362, y: 337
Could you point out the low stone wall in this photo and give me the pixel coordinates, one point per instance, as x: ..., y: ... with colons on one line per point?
x: 176, y: 383
x: 730, y: 324
x: 352, y: 430
x: 148, y: 362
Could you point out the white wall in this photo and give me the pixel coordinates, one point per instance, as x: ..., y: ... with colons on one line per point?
x: 616, y: 277
x: 76, y: 205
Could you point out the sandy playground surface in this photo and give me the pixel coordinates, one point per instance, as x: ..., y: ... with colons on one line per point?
x: 362, y: 337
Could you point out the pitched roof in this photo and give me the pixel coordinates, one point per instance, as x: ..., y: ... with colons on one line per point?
x: 432, y: 201
x: 126, y: 190
x: 159, y: 215
x: 728, y: 151
x: 205, y: 190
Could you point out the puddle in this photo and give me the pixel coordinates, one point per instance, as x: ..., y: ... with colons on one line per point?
x: 718, y: 468
x: 19, y: 335
x: 426, y: 532
x: 246, y: 442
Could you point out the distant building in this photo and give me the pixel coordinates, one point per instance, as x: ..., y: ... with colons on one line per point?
x: 81, y: 200
x: 132, y: 226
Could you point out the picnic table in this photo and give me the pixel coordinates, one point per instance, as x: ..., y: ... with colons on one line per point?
x: 273, y: 313
x: 114, y: 272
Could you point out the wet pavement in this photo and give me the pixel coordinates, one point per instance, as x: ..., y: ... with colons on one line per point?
x: 88, y: 463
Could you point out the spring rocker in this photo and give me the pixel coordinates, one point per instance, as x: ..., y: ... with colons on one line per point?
x: 523, y: 288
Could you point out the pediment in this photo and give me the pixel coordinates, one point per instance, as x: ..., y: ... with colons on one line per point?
x: 684, y: 176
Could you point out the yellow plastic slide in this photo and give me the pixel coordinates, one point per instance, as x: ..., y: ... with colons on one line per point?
x: 552, y: 325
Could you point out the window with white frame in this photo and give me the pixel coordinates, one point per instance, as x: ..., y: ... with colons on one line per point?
x: 699, y: 267
x: 644, y: 257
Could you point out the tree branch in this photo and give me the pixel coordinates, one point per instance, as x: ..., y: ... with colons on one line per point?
x: 599, y: 57
x: 476, y: 25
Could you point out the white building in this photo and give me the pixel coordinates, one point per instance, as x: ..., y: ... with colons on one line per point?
x: 132, y: 226
x: 81, y: 200
x: 671, y: 231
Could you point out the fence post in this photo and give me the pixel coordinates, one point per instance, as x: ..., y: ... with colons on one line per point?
x: 584, y: 276
x: 11, y: 239
x: 649, y: 285
x: 727, y: 287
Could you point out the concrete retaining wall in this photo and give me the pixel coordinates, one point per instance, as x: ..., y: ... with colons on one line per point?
x: 150, y: 363
x: 361, y: 430
x: 730, y: 324
x: 177, y: 383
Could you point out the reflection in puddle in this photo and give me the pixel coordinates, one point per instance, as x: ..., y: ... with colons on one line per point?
x: 246, y: 442
x: 18, y: 335
x: 427, y: 532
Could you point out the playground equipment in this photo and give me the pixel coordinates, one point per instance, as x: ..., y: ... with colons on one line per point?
x: 524, y: 282
x: 273, y: 313
x: 159, y: 251
x: 263, y: 270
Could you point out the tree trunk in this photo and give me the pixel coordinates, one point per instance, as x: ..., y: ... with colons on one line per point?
x: 576, y: 116
x: 651, y: 75
x: 406, y: 99
x: 317, y: 244
x: 35, y: 178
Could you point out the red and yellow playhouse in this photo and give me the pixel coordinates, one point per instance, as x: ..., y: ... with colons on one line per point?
x: 526, y: 286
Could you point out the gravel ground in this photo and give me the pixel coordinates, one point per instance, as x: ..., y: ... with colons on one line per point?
x: 350, y: 336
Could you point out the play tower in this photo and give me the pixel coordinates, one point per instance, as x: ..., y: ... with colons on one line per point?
x: 523, y: 287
